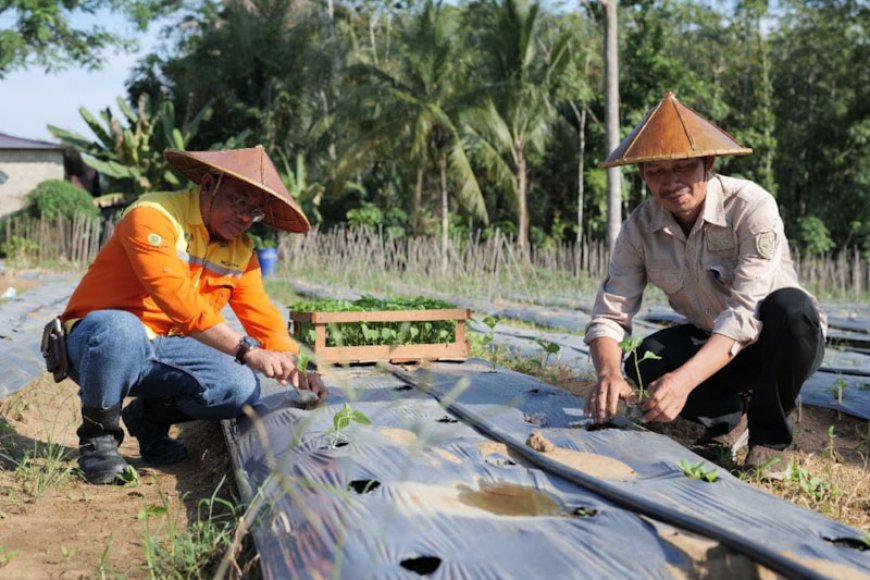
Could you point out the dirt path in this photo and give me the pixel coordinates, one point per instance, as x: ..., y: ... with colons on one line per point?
x: 54, y: 525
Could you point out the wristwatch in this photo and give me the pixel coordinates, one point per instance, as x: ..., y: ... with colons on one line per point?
x: 246, y: 345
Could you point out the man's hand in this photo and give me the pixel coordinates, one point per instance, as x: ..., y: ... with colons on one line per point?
x: 668, y: 396
x: 316, y: 386
x: 281, y: 366
x: 277, y: 365
x: 601, y: 404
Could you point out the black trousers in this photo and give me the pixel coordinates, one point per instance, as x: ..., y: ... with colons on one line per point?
x: 771, y: 371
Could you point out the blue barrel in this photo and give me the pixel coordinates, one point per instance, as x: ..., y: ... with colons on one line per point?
x: 268, y: 258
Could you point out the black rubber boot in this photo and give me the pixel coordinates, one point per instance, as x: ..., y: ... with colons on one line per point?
x: 99, y: 437
x: 149, y: 420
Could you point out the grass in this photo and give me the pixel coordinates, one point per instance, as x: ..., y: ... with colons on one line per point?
x: 45, y: 466
x: 172, y: 549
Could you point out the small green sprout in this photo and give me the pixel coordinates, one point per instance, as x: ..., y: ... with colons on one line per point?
x: 342, y: 419
x: 698, y: 472
x: 6, y: 556
x: 630, y: 345
x: 837, y: 389
x: 129, y: 477
x: 550, y: 348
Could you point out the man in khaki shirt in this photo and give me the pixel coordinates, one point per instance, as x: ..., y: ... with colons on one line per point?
x: 715, y: 246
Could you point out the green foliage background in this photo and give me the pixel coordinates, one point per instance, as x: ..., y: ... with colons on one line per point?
x: 422, y: 117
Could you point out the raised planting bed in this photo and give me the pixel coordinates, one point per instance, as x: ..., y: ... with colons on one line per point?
x: 371, y: 330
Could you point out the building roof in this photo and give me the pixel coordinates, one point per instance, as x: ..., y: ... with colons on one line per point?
x: 10, y: 142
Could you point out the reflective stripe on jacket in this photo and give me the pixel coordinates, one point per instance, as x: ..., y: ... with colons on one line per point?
x: 160, y: 266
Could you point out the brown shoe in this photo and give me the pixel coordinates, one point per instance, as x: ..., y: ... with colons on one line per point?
x: 719, y: 448
x: 767, y: 463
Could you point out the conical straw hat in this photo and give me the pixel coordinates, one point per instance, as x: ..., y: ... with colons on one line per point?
x: 673, y: 131
x: 252, y: 166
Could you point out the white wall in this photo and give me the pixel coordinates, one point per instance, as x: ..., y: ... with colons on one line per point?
x: 24, y: 170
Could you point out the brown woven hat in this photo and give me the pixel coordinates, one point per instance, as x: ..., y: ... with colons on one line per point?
x: 251, y: 166
x: 673, y: 131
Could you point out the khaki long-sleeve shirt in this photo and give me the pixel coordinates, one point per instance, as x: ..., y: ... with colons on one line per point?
x: 735, y: 255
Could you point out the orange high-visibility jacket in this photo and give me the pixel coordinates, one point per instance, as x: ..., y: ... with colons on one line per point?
x: 160, y: 266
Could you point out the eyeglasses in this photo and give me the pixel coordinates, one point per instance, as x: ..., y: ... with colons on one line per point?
x: 255, y: 212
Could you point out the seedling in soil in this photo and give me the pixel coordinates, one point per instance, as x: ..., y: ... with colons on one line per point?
x: 831, y: 437
x: 838, y: 388
x: 813, y: 487
x: 630, y: 345
x: 698, y: 472
x: 130, y: 477
x: 549, y: 348
x: 344, y: 418
x: 6, y: 556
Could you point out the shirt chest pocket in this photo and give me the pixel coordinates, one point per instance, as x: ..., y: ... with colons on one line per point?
x: 218, y: 289
x: 665, y: 276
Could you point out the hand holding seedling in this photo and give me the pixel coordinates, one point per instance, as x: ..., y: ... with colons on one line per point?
x: 281, y: 366
x: 611, y: 385
x: 667, y: 397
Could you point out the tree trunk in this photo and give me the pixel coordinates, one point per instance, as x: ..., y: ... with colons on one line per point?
x: 445, y: 215
x: 581, y: 133
x: 417, y: 208
x: 611, y: 118
x: 522, y: 184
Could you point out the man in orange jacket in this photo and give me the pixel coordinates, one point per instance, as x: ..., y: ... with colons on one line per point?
x: 146, y: 321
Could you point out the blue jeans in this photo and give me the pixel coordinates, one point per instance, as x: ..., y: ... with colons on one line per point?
x: 111, y: 358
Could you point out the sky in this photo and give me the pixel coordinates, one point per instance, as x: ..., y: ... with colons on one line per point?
x: 31, y: 99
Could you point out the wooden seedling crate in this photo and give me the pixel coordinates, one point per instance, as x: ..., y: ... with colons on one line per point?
x: 456, y: 350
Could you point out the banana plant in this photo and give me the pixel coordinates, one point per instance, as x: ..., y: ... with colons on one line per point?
x: 309, y: 195
x: 128, y: 149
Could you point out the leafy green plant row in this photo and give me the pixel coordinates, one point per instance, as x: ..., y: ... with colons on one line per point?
x: 375, y: 333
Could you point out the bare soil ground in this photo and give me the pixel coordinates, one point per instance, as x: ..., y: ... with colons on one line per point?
x: 55, y: 525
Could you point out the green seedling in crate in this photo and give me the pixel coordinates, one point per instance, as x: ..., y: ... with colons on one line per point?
x: 376, y: 333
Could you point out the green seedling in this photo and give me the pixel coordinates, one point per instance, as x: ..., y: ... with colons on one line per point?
x: 130, y: 477
x: 630, y: 345
x: 813, y: 487
x: 6, y: 556
x: 866, y: 539
x: 302, y: 361
x: 837, y: 389
x: 342, y: 419
x: 698, y: 472
x: 550, y: 348
x: 489, y: 337
x: 67, y: 553
x: 375, y: 333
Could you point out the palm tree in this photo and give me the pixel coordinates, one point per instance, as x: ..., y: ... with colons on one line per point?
x: 520, y: 69
x: 416, y: 101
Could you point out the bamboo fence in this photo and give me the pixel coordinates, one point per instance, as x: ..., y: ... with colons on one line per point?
x: 351, y: 255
